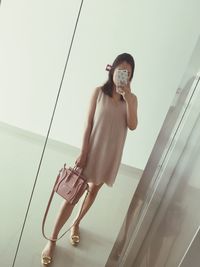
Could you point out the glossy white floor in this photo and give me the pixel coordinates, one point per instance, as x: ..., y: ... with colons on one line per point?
x: 20, y: 155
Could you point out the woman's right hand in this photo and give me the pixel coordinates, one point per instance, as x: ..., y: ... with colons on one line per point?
x: 81, y: 161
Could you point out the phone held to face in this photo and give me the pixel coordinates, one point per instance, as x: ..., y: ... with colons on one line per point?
x: 121, y: 79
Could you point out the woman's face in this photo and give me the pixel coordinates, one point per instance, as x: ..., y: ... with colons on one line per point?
x: 122, y: 66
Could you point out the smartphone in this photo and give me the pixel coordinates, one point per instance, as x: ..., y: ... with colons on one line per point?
x: 121, y: 77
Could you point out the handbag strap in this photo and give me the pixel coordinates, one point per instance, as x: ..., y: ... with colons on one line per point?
x: 47, y: 210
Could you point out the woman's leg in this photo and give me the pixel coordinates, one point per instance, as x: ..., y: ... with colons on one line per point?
x: 64, y: 213
x: 93, y: 190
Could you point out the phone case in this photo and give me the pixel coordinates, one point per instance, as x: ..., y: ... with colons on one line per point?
x: 122, y: 77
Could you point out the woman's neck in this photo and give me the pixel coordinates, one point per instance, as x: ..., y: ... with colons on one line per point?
x: 116, y: 95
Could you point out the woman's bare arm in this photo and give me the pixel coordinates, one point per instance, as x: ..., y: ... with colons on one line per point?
x: 131, y: 103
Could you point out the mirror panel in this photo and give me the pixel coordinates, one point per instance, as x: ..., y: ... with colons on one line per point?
x: 101, y: 35
x: 33, y: 47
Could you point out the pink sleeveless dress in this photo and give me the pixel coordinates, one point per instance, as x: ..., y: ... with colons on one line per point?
x: 106, y: 141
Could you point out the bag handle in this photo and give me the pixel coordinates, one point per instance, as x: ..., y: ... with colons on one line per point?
x: 47, y: 210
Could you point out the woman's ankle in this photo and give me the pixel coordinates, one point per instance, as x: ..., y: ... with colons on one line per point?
x: 76, y: 224
x: 75, y: 229
x: 53, y: 240
x: 49, y: 249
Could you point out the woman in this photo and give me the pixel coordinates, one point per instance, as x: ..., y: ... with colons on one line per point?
x: 112, y: 110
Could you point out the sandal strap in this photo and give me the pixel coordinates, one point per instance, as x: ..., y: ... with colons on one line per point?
x: 46, y: 259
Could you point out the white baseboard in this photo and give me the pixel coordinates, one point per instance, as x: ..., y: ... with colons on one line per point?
x: 34, y: 137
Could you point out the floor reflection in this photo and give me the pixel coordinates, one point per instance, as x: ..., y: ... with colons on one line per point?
x: 99, y: 228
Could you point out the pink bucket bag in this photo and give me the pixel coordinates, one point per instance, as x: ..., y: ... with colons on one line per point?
x: 70, y: 185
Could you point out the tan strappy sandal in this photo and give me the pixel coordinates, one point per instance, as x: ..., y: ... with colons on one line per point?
x: 75, y: 237
x: 46, y: 260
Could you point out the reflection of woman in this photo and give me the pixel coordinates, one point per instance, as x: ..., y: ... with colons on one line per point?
x: 113, y: 109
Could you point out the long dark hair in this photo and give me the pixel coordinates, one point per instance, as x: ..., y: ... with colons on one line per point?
x: 108, y: 86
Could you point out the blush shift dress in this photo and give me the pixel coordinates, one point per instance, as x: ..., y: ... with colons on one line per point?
x: 106, y: 141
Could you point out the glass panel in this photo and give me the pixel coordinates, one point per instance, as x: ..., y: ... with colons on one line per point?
x: 192, y: 256
x: 176, y: 220
x: 33, y: 48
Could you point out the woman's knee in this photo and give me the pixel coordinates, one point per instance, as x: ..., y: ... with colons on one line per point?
x: 94, y: 189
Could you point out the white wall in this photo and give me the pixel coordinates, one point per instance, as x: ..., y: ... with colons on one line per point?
x: 34, y: 38
x: 160, y: 34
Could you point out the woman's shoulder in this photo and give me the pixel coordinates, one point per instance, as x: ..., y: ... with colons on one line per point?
x: 134, y: 96
x: 97, y: 92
